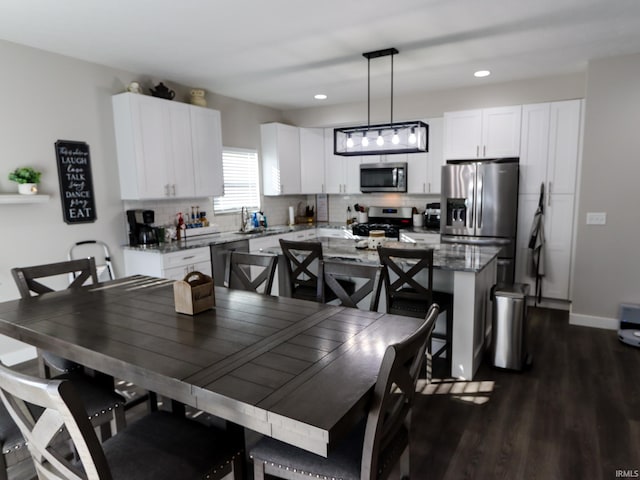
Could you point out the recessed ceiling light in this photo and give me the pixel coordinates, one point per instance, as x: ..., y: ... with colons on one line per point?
x: 482, y: 73
x: 320, y: 96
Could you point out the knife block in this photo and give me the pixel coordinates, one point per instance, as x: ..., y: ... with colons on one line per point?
x: 194, y: 294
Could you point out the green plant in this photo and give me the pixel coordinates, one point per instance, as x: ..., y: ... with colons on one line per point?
x: 25, y: 175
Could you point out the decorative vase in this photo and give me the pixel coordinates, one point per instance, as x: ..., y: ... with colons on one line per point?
x: 197, y: 97
x: 27, y: 188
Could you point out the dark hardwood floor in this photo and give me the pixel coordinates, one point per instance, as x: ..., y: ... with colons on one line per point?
x: 574, y: 414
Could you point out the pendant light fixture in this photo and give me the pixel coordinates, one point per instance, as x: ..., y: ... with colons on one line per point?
x: 387, y: 138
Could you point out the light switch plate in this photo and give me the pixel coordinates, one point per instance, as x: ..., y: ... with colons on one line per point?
x: 596, y: 218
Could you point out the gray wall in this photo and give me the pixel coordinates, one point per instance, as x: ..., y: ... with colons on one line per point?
x: 607, y: 260
x: 47, y: 97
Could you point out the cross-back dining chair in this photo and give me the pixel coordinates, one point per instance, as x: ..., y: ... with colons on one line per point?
x: 97, y: 391
x: 302, y: 260
x: 160, y: 445
x: 335, y: 273
x: 303, y: 269
x: 408, y: 281
x: 380, y: 441
x: 250, y: 271
x: 29, y: 280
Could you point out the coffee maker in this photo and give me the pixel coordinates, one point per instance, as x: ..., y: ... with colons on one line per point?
x: 432, y: 216
x: 140, y: 230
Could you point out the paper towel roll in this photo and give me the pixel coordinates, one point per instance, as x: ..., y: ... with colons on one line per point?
x: 292, y: 219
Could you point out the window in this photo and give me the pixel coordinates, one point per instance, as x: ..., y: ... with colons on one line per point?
x: 241, y: 181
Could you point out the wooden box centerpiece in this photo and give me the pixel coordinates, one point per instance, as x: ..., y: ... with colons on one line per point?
x: 194, y: 294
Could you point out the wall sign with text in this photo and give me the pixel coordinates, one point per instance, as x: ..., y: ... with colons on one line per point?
x: 76, y: 185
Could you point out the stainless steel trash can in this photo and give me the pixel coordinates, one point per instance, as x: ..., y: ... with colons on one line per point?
x: 509, y: 326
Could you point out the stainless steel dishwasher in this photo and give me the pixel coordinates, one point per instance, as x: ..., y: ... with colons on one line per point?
x: 219, y: 258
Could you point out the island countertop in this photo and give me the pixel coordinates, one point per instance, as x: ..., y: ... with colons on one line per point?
x: 454, y: 257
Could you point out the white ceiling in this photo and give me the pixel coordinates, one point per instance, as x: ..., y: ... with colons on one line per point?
x: 280, y: 53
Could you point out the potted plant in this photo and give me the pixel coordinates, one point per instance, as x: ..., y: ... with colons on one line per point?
x: 27, y: 179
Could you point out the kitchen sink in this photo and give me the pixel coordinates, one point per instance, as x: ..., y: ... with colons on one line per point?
x: 264, y: 230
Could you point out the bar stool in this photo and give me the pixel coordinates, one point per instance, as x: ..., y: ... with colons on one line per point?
x: 412, y: 294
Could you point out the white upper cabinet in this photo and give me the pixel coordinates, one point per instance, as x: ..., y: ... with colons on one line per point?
x: 424, y: 169
x: 156, y: 148
x: 550, y: 146
x: 486, y: 133
x: 206, y: 139
x: 280, y: 159
x: 312, y: 160
x: 342, y: 173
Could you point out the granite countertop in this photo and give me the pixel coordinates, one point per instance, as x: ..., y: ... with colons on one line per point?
x: 196, y: 241
x: 454, y: 257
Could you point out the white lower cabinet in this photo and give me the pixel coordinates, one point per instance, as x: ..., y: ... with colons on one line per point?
x: 174, y: 266
x: 421, y: 238
x: 558, y: 231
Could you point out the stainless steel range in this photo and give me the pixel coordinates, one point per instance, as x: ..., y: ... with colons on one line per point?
x: 389, y: 219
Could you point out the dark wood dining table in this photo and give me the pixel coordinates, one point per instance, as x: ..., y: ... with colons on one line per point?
x: 298, y: 371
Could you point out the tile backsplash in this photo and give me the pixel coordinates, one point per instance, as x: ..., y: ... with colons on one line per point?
x: 276, y: 208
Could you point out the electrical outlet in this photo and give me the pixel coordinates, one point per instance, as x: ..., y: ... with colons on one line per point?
x: 596, y: 218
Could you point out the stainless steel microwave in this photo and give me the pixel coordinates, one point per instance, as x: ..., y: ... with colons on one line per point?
x: 383, y: 177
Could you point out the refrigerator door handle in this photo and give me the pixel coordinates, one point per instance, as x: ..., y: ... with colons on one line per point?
x: 480, y: 200
x: 471, y: 218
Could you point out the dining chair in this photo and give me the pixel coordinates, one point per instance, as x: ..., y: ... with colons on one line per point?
x: 302, y: 260
x: 97, y: 391
x: 15, y: 453
x: 303, y: 265
x: 29, y: 280
x: 250, y: 271
x: 159, y: 445
x: 379, y: 442
x: 408, y: 281
x: 333, y: 271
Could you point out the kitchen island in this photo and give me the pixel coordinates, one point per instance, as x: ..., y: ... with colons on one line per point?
x: 467, y: 271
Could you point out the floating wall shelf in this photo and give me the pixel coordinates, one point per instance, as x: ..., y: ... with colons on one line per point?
x: 17, y: 198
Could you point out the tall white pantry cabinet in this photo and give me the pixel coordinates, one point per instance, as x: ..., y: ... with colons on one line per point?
x: 550, y: 150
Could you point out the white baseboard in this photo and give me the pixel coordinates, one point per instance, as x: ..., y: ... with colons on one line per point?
x: 592, y: 321
x: 549, y: 303
x: 19, y: 356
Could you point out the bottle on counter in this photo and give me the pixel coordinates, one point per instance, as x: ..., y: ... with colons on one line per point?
x: 179, y: 226
x: 203, y: 219
x: 349, y: 216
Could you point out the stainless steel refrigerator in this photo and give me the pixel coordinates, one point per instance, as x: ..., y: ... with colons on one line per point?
x: 479, y: 206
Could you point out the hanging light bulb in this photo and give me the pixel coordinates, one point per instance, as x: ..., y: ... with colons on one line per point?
x: 365, y: 140
x: 349, y: 142
x: 379, y: 140
x: 395, y: 139
x: 412, y: 136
